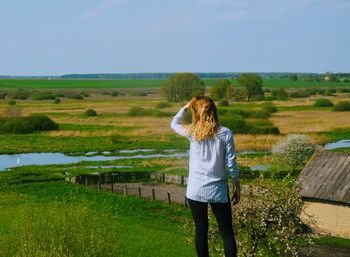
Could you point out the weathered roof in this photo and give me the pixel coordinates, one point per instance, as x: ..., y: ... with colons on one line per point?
x: 326, y: 176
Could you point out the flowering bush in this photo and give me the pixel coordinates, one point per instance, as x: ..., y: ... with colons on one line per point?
x: 294, y: 150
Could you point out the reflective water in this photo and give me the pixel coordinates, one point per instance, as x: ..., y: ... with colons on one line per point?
x: 339, y: 144
x: 13, y: 160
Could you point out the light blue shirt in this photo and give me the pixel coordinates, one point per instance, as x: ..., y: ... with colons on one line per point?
x: 208, y: 180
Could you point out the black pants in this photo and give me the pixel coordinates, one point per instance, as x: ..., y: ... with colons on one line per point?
x: 223, y: 215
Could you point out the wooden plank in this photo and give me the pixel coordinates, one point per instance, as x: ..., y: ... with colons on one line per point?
x: 311, y: 183
x: 342, y: 193
x: 336, y: 172
x: 316, y: 160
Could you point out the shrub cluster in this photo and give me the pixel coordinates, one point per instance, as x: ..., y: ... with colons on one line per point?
x: 342, y: 106
x: 323, y: 102
x: 23, y: 125
x: 139, y: 111
x: 223, y: 102
x: 162, y: 105
x: 90, y: 112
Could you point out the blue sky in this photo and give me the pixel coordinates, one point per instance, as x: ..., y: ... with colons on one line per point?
x: 46, y: 37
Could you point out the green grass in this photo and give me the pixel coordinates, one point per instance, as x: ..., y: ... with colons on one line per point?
x: 62, y: 219
x: 41, y: 142
x: 333, y: 241
x: 142, y: 83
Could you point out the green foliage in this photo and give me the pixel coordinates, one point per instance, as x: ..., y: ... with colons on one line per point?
x: 293, y: 77
x: 280, y: 94
x: 90, y: 112
x: 84, y: 94
x: 24, y: 125
x: 19, y: 95
x: 219, y: 89
x: 269, y: 108
x: 323, y: 102
x: 263, y: 114
x: 254, y: 85
x: 342, y: 106
x: 76, y: 97
x: 239, y: 94
x: 261, y: 127
x: 182, y: 86
x: 114, y: 93
x: 267, y: 220
x: 11, y: 102
x: 139, y: 93
x: 137, y: 111
x: 57, y: 101
x: 223, y: 102
x: 43, y: 96
x: 162, y: 105
x: 234, y: 122
x: 299, y: 94
x: 3, y: 95
x: 294, y: 150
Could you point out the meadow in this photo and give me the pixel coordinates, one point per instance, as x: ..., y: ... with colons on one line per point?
x: 69, y: 220
x: 143, y: 83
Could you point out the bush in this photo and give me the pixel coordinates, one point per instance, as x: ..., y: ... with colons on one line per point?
x: 261, y: 127
x: 162, y: 105
x: 3, y: 95
x: 16, y: 125
x: 223, y: 102
x: 114, y: 93
x: 43, y: 96
x: 23, y: 125
x: 139, y: 93
x: 234, y: 122
x: 90, y: 112
x: 84, y: 94
x: 342, y: 106
x: 41, y: 122
x: 19, y: 95
x: 11, y: 102
x: 294, y: 150
x: 299, y: 94
x: 57, y: 101
x: 77, y: 97
x: 323, y: 102
x: 279, y: 94
x: 139, y: 111
x: 219, y: 89
x: 270, y: 108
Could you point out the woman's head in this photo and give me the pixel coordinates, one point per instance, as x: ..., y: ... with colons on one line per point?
x: 204, y: 118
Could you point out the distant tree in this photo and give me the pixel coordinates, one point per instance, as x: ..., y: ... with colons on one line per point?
x: 239, y: 93
x: 293, y: 77
x: 182, y: 86
x: 219, y: 88
x: 279, y: 94
x: 330, y: 77
x: 253, y: 83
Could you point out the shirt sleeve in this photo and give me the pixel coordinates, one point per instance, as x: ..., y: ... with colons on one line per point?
x: 230, y: 157
x: 176, y: 123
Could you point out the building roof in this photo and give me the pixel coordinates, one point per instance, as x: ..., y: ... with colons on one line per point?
x: 326, y: 177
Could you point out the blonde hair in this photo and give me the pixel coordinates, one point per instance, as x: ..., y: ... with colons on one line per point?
x: 204, y: 118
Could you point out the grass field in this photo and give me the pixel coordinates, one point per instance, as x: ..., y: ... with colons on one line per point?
x: 141, y: 83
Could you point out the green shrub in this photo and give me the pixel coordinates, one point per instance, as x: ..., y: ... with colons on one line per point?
x: 139, y: 94
x: 16, y: 125
x: 57, y: 101
x: 23, y: 125
x: 342, y: 106
x: 323, y: 102
x: 279, y: 94
x: 84, y: 94
x: 270, y: 108
x: 43, y: 96
x: 3, y: 95
x: 261, y: 127
x: 21, y: 95
x: 90, y: 112
x: 11, y: 102
x: 77, y: 97
x: 162, y: 105
x: 234, y: 122
x: 41, y: 122
x: 114, y: 93
x: 223, y: 102
x: 299, y: 94
x: 139, y: 111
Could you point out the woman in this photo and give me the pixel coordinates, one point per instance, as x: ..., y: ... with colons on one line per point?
x: 211, y: 150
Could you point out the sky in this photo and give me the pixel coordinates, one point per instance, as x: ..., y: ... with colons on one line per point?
x: 47, y: 37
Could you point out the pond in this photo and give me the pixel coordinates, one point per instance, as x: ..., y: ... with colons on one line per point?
x: 339, y: 144
x: 13, y: 160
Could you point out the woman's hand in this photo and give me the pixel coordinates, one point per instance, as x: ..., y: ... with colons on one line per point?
x: 237, y: 194
x: 188, y: 105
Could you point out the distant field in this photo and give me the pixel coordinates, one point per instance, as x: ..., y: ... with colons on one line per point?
x: 141, y: 83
